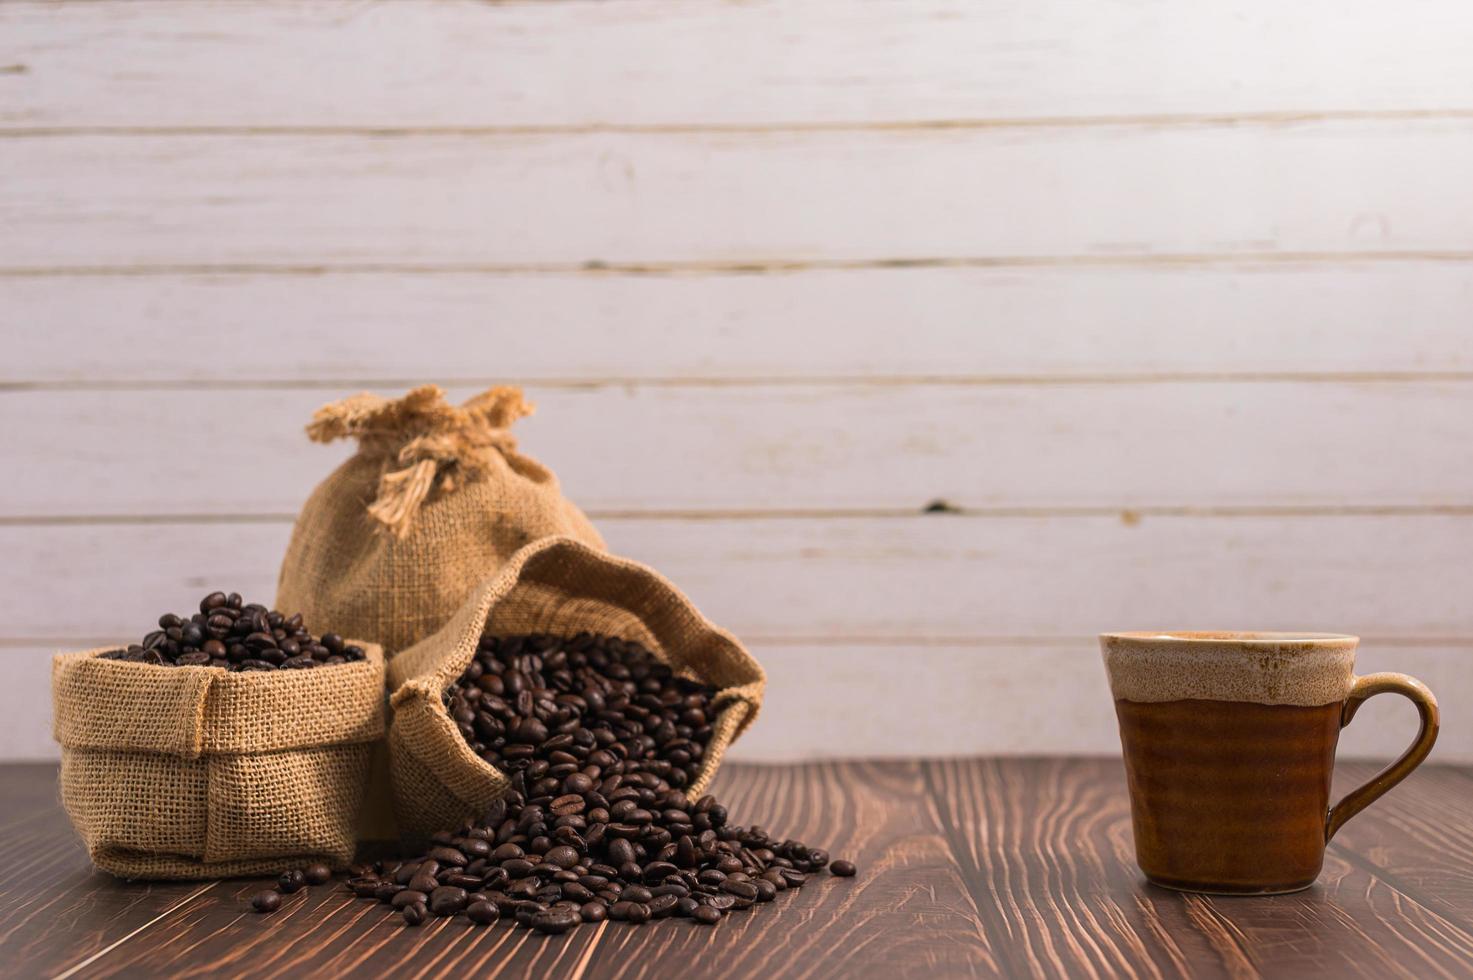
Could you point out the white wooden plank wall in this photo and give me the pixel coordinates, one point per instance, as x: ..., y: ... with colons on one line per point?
x: 1169, y: 305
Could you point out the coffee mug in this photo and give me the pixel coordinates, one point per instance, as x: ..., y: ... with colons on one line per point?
x: 1229, y: 743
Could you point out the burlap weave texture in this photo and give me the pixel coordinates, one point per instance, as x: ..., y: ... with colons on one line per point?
x: 195, y: 772
x: 559, y: 586
x: 392, y: 542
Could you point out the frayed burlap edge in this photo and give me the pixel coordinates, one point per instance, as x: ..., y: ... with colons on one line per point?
x: 439, y: 782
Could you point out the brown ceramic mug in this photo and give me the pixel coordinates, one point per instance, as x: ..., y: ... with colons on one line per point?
x: 1229, y: 743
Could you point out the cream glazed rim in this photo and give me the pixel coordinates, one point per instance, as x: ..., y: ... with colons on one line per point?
x: 1264, y: 667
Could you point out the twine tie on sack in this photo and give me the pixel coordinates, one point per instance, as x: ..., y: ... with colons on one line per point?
x: 427, y: 443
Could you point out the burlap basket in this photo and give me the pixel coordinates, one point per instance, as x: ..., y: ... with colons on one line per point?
x: 392, y: 542
x: 194, y: 772
x: 557, y: 586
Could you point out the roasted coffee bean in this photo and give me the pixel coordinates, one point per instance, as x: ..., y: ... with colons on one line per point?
x: 447, y: 900
x: 662, y: 905
x: 482, y: 913
x: 409, y: 896
x: 563, y: 856
x: 229, y: 634
x: 415, y: 914
x: 266, y: 901
x: 844, y: 869
x: 707, y: 915
x: 290, y: 881
x: 363, y: 887
x: 556, y: 920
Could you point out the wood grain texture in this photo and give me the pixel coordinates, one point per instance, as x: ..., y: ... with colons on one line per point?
x: 55, y: 913
x: 977, y: 867
x: 1049, y: 850
x: 1335, y: 188
x: 881, y: 324
x: 784, y: 448
x: 377, y: 65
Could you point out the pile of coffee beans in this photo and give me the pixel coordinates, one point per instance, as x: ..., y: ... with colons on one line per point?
x: 235, y: 635
x: 549, y: 704
x: 600, y: 739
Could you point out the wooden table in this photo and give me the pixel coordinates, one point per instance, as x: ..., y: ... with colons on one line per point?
x: 975, y: 867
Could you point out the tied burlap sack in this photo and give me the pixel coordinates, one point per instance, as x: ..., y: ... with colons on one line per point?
x: 195, y: 772
x: 562, y: 587
x: 392, y: 542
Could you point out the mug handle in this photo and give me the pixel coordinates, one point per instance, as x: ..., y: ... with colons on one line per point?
x: 1361, y: 690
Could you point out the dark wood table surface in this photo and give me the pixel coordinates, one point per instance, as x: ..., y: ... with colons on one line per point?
x: 970, y: 867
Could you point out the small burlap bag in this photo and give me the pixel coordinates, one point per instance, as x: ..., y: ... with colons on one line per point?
x: 194, y: 772
x: 437, y: 496
x: 563, y: 587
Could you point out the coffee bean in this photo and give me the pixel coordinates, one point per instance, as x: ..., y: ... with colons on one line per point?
x: 844, y: 869
x: 266, y: 901
x: 290, y: 881
x: 556, y: 920
x: 638, y: 913
x: 409, y: 896
x: 707, y: 915
x: 593, y: 912
x: 482, y: 913
x: 415, y: 914
x: 740, y: 889
x: 563, y: 857
x: 447, y: 900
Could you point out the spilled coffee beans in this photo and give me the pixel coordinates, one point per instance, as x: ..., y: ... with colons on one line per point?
x: 600, y: 739
x: 234, y: 635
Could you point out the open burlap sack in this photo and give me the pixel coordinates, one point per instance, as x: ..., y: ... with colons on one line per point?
x: 563, y: 587
x: 437, y: 496
x: 195, y: 772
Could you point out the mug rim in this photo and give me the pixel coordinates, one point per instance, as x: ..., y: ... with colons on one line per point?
x: 1245, y: 637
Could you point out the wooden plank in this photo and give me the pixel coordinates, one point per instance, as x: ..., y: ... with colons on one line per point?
x: 55, y: 911
x: 1048, y: 846
x: 808, y: 447
x: 701, y: 200
x: 931, y: 579
x: 582, y: 64
x: 1413, y: 837
x: 960, y: 323
x: 876, y: 813
x: 1002, y: 697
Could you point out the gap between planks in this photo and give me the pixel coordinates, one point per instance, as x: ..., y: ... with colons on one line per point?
x: 1151, y: 121
x: 753, y: 266
x: 937, y: 509
x: 738, y: 381
x: 1284, y: 117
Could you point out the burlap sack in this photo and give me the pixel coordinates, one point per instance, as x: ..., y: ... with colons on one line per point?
x: 558, y: 586
x: 392, y: 542
x: 193, y: 772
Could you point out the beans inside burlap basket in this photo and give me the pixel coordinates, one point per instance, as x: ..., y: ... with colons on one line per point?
x: 563, y: 587
x: 437, y: 497
x: 193, y: 772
